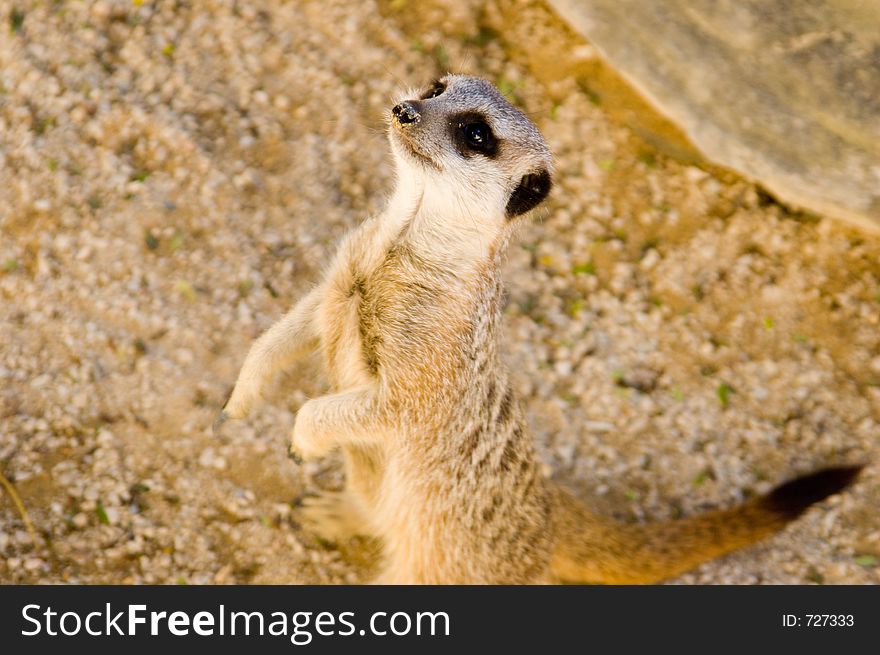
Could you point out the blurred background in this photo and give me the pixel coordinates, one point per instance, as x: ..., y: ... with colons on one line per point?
x: 693, y: 316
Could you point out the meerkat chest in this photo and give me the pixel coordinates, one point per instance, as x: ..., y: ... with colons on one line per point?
x: 389, y: 318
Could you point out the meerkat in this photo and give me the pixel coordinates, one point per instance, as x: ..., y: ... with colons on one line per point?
x: 439, y: 466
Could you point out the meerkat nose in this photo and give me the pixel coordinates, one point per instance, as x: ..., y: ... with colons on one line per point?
x: 406, y: 113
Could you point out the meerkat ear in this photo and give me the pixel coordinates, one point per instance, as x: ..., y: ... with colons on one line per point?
x: 529, y: 193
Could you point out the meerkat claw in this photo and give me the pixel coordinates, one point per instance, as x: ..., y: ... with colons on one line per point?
x: 222, y: 417
x: 293, y: 454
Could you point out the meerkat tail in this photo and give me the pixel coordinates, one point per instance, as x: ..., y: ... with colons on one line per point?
x: 592, y: 549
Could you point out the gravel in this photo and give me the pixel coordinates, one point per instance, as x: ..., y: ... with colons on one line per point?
x: 173, y: 178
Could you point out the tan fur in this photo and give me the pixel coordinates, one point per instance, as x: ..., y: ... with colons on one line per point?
x: 602, y: 551
x: 438, y: 462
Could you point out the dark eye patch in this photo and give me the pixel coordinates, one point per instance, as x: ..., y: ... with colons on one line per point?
x: 529, y: 193
x: 437, y: 87
x: 472, y: 135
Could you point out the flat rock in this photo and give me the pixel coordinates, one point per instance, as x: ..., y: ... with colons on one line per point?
x: 788, y: 94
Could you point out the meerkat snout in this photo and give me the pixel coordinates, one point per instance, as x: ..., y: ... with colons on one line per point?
x: 406, y: 113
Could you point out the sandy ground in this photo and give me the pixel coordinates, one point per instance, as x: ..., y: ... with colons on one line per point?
x: 172, y: 179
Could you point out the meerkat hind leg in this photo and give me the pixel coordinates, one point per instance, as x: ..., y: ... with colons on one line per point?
x: 333, y: 516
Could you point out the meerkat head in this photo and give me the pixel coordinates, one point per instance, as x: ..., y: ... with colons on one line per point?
x: 472, y: 149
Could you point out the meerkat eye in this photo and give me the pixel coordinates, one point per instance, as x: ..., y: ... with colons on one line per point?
x: 436, y: 89
x: 473, y: 136
x: 478, y: 136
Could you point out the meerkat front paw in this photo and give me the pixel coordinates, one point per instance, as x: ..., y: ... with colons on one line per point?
x: 308, y: 442
x: 245, y: 395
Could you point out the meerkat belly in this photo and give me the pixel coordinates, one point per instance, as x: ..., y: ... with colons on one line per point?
x: 454, y: 512
x: 429, y: 539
